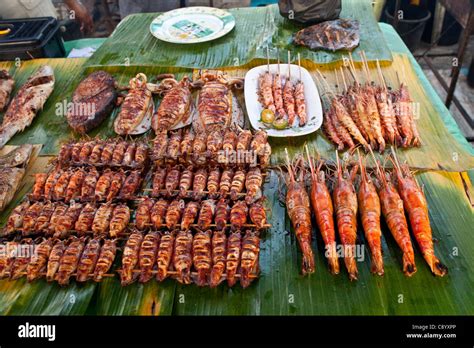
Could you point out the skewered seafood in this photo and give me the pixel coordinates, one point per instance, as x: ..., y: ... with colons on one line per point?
x: 65, y: 223
x: 369, y: 208
x: 137, y: 108
x: 93, y: 100
x: 202, y: 256
x: 30, y: 217
x: 324, y: 211
x: 6, y: 87
x: 297, y: 203
x: 222, y: 214
x: 238, y: 183
x: 339, y: 34
x: 89, y: 184
x: 103, y: 184
x: 39, y: 260
x: 119, y: 153
x: 77, y: 148
x: 61, y: 184
x: 101, y: 223
x: 176, y: 106
x: 243, y: 141
x: 265, y: 89
x: 300, y: 103
x: 416, y: 207
x: 172, y: 180
x: 59, y: 211
x: 158, y: 213
x: 392, y: 210
x: 141, y: 154
x: 73, y: 189
x: 199, y: 183
x: 249, y: 257
x: 120, y: 219
x: 69, y: 260
x: 186, y: 146
x: 7, y: 258
x: 226, y: 181
x: 147, y: 256
x: 345, y: 204
x: 43, y: 219
x: 10, y: 179
x: 182, y: 256
x: 116, y: 183
x: 130, y: 185
x: 15, y: 220
x: 234, y: 247
x: 174, y: 213
x: 129, y: 154
x: 238, y: 215
x: 86, y: 218
x: 88, y: 260
x: 206, y: 214
x: 84, y: 151
x: 158, y: 184
x: 130, y: 258
x: 230, y: 140
x: 105, y: 260
x: 189, y: 215
x: 214, y: 142
x: 108, y: 151
x: 186, y: 181
x: 253, y: 184
x: 174, y: 145
x: 143, y: 214
x: 54, y: 259
x: 22, y: 258
x: 289, y: 100
x: 219, y: 241
x: 28, y: 101
x: 258, y: 215
x: 164, y: 255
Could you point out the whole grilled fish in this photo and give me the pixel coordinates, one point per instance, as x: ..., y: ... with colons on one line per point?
x: 93, y: 100
x: 17, y: 156
x: 10, y: 179
x: 6, y: 86
x: 29, y: 100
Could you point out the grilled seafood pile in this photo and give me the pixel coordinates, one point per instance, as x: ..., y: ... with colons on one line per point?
x: 232, y: 147
x: 28, y: 101
x: 370, y: 115
x: 12, y: 170
x: 92, y: 101
x: 280, y: 96
x: 206, y: 258
x: 215, y: 182
x: 104, y: 153
x: 339, y: 34
x: 6, y: 87
x: 393, y: 196
x: 86, y: 185
x: 59, y: 220
x: 58, y: 260
x: 155, y: 214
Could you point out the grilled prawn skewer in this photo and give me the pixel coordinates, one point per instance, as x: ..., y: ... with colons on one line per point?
x: 297, y: 203
x: 323, y: 211
x: 369, y: 209
x: 345, y: 202
x: 416, y: 206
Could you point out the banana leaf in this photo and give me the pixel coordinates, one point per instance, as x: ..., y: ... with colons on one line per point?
x: 255, y: 29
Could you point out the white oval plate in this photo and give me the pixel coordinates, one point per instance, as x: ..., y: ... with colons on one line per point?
x: 192, y: 25
x: 311, y: 94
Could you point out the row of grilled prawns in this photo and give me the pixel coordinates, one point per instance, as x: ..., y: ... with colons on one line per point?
x: 114, y: 152
x: 60, y: 220
x: 371, y: 200
x: 86, y: 185
x: 155, y: 214
x: 217, y: 146
x: 58, y: 260
x: 372, y: 116
x: 213, y: 182
x: 207, y: 257
x: 284, y: 98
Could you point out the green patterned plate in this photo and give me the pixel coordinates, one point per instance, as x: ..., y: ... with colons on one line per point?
x: 192, y: 25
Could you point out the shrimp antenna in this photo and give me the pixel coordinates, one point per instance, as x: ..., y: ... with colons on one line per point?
x: 289, y: 66
x: 299, y: 64
x: 377, y: 168
x: 363, y: 173
x: 339, y: 172
x: 289, y: 167
x: 337, y: 81
x: 395, y: 160
x: 310, y: 161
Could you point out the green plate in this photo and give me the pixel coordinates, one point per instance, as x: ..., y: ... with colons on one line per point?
x: 192, y: 25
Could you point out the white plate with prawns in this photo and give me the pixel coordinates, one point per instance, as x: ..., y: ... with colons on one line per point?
x: 254, y: 101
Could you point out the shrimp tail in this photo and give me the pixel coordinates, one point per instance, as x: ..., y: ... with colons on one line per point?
x: 436, y: 266
x: 308, y: 257
x: 377, y: 263
x: 332, y: 258
x: 351, y: 266
x: 409, y: 267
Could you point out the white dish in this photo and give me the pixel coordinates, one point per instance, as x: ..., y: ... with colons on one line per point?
x: 313, y: 102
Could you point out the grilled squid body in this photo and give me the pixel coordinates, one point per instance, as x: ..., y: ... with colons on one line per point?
x: 29, y: 100
x: 137, y: 108
x: 175, y: 108
x: 130, y: 258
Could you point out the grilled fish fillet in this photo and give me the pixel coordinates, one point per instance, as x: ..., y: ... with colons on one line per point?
x: 10, y: 179
x: 27, y: 102
x: 6, y: 86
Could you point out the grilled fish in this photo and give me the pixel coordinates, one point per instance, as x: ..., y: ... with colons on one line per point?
x: 6, y: 86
